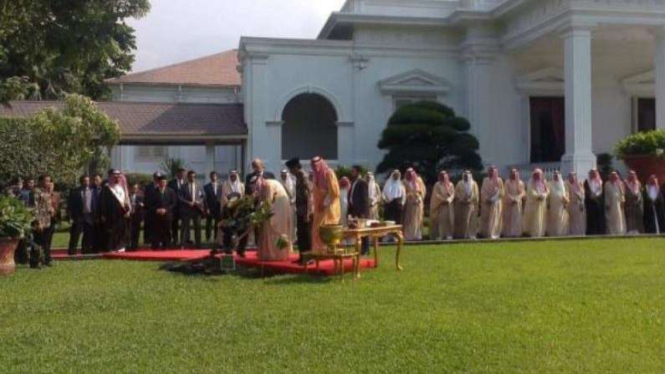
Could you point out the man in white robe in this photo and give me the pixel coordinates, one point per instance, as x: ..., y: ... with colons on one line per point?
x: 557, y: 211
x: 467, y: 196
x: 615, y: 197
x: 535, y: 213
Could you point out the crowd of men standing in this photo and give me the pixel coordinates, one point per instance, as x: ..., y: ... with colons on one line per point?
x: 108, y: 215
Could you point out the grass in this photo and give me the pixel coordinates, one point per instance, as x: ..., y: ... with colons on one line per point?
x: 573, y: 307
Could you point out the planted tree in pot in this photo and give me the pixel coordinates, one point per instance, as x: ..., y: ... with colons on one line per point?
x: 644, y: 153
x: 15, y: 220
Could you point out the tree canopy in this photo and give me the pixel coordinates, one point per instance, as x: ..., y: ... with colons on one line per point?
x: 52, y: 47
x: 60, y: 142
x: 428, y: 136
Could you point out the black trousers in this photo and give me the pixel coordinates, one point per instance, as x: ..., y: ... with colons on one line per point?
x: 85, y: 227
x: 160, y: 237
x: 212, y: 221
x: 175, y: 227
x: 135, y: 232
x: 44, y: 239
x: 189, y: 221
x: 303, y: 233
x: 99, y: 238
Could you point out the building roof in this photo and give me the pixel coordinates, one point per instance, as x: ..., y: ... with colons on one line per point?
x: 158, y: 121
x: 218, y: 70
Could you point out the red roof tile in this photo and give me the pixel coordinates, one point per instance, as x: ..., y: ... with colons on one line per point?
x: 146, y: 119
x: 216, y: 70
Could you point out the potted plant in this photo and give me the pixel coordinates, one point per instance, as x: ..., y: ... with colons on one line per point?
x: 15, y: 220
x: 644, y: 153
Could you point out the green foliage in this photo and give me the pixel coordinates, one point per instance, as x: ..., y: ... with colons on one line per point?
x: 60, y: 142
x: 15, y: 218
x: 345, y: 171
x: 428, y: 136
x: 170, y: 166
x: 50, y: 48
x: 651, y: 143
x: 578, y: 306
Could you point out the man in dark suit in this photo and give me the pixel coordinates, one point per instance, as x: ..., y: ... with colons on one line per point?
x: 191, y: 208
x: 160, y: 205
x: 115, y: 209
x: 148, y: 191
x: 258, y: 170
x: 359, y: 200
x: 175, y: 185
x: 213, y: 197
x: 99, y: 237
x: 136, y: 217
x: 80, y: 210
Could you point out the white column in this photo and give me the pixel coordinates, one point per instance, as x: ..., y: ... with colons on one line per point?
x: 659, y: 72
x: 479, y: 51
x: 579, y: 155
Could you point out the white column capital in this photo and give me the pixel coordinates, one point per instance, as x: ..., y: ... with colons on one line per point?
x: 576, y: 29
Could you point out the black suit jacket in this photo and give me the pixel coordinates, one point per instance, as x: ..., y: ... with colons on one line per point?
x: 173, y: 185
x: 75, y: 203
x: 212, y: 200
x: 167, y: 201
x: 248, y: 178
x: 359, y: 199
x: 185, y: 197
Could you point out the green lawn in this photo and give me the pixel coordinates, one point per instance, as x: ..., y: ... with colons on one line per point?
x: 571, y: 307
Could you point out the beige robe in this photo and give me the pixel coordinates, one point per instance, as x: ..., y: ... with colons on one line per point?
x: 442, y: 216
x: 414, y: 209
x: 278, y: 227
x: 374, y: 200
x: 227, y: 189
x: 557, y: 210
x: 326, y: 209
x: 576, y: 210
x: 491, y: 209
x: 466, y: 211
x: 535, y: 212
x: 614, y: 213
x: 513, y: 208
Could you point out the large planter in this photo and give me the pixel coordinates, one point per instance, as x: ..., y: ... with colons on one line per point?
x: 645, y: 166
x: 7, y: 248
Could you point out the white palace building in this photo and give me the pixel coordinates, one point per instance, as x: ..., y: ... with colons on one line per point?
x: 548, y: 83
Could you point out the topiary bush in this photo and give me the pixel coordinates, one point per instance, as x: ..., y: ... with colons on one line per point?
x: 428, y: 136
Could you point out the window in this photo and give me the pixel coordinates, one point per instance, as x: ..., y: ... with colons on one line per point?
x: 645, y: 114
x: 548, y: 129
x: 151, y: 153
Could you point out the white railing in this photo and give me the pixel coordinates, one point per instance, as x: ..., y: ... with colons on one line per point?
x: 548, y: 169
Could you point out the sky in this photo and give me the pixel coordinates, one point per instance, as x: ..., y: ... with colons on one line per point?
x: 180, y: 30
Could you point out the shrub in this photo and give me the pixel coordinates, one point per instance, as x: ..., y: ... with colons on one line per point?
x: 345, y: 171
x: 651, y: 143
x: 15, y: 218
x: 428, y: 136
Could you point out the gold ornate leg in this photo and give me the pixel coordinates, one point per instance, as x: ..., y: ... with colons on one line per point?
x: 376, y: 252
x: 400, y: 242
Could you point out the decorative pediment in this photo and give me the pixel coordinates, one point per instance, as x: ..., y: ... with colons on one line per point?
x: 415, y: 82
x: 640, y: 85
x: 547, y: 81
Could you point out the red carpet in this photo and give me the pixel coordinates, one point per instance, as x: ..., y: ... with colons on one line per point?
x: 251, y: 260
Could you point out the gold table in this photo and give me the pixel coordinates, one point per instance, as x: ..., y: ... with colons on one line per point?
x: 374, y: 234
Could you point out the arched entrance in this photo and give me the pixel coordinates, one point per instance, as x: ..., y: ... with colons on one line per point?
x: 310, y: 128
